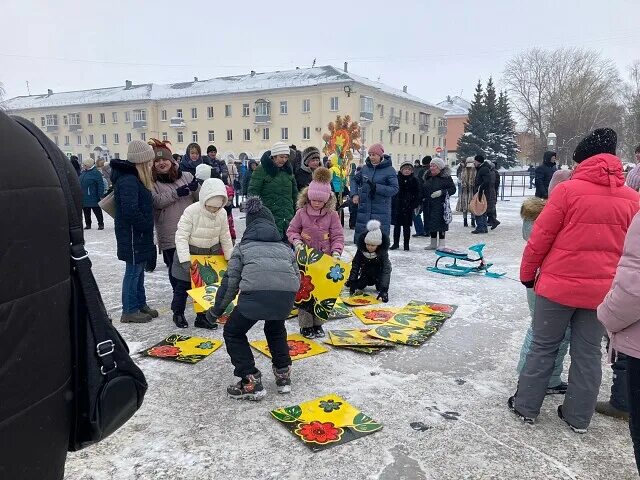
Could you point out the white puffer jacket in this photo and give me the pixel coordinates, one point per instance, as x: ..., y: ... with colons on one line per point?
x: 203, y: 229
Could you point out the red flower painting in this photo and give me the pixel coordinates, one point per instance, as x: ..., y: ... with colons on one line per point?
x: 306, y: 287
x: 361, y: 301
x: 318, y: 432
x: 298, y: 347
x: 164, y: 351
x: 378, y: 315
x: 441, y: 308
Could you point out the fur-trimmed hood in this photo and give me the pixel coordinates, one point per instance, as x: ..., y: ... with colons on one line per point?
x: 270, y: 168
x: 531, y: 208
x: 303, y: 200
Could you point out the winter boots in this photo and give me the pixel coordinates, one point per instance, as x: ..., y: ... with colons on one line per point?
x: 575, y: 429
x: 527, y: 420
x: 179, y: 320
x: 318, y: 331
x: 135, y: 317
x: 433, y: 245
x: 283, y: 379
x: 605, y: 408
x: 149, y: 311
x: 202, y: 321
x: 308, y: 332
x: 249, y: 388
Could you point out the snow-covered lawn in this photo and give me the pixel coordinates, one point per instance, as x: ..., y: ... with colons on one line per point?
x: 188, y: 428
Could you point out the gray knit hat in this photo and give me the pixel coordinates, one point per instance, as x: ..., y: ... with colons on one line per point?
x: 139, y: 152
x: 374, y: 237
x: 309, y: 153
x: 438, y: 162
x: 255, y: 209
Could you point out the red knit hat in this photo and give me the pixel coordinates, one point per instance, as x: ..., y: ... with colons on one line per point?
x: 376, y: 149
x: 320, y: 187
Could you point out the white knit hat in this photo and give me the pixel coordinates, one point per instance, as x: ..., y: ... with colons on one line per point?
x: 88, y: 162
x: 438, y: 162
x: 374, y: 237
x: 203, y: 171
x: 139, y: 152
x: 279, y: 148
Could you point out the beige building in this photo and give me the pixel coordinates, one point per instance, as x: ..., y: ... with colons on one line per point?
x: 239, y: 114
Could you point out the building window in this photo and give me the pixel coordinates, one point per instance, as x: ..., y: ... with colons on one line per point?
x: 212, y: 136
x: 104, y: 139
x: 381, y: 111
x: 247, y: 135
x: 43, y: 122
x: 333, y: 104
x: 245, y: 109
x: 194, y: 113
x: 284, y: 133
x: 444, y: 143
x: 79, y: 139
x: 180, y: 137
x: 66, y: 140
x: 414, y: 118
x: 116, y: 139
x: 80, y: 157
x: 128, y: 138
x: 114, y: 117
x: 381, y: 134
x: 427, y: 141
x: 52, y: 120
x: 366, y: 108
x: 227, y: 110
x: 420, y: 140
x: 210, y: 112
x: 229, y: 135
x: 263, y: 109
x: 165, y: 136
x: 392, y: 112
x: 406, y: 137
x: 194, y: 137
x: 179, y: 113
x: 306, y: 105
x: 103, y: 119
x: 139, y: 115
x: 74, y: 119
x: 406, y: 119
x: 143, y: 136
x: 90, y: 118
x: 306, y: 133
x: 55, y: 139
x: 400, y: 114
x: 90, y: 139
x: 413, y: 142
x: 265, y: 133
x: 391, y: 137
x: 127, y: 117
x: 283, y: 107
x: 163, y: 115
x: 116, y: 155
x: 433, y: 144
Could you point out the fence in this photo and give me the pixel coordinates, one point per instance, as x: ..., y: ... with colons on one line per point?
x: 512, y: 184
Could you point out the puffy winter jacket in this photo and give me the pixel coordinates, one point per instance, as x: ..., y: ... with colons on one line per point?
x: 92, y: 185
x: 434, y: 207
x: 406, y: 200
x: 319, y: 229
x: 484, y: 184
x: 577, y: 240
x: 377, y: 269
x: 277, y: 189
x: 544, y: 173
x: 374, y: 206
x: 134, y: 214
x: 200, y: 228
x: 168, y: 207
x: 620, y: 310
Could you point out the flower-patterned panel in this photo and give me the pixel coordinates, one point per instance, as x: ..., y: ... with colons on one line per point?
x: 206, y: 270
x: 205, y: 297
x: 375, y: 315
x: 299, y: 347
x: 360, y: 300
x: 183, y: 348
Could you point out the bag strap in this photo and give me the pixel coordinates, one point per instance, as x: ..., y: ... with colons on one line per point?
x: 79, y: 257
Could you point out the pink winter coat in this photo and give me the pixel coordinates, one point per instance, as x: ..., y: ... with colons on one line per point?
x: 168, y: 208
x: 620, y: 310
x: 577, y: 240
x: 319, y: 229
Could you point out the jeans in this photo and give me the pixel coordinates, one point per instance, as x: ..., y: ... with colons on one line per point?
x: 235, y: 339
x: 619, y: 387
x: 417, y: 223
x: 633, y: 372
x: 481, y: 223
x: 133, y: 294
x: 97, y: 211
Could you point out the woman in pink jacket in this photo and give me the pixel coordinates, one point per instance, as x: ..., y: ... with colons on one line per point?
x: 620, y: 314
x: 570, y: 260
x: 316, y: 224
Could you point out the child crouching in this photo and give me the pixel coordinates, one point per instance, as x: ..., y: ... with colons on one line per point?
x: 266, y: 273
x: 316, y: 224
x: 371, y: 265
x: 203, y: 229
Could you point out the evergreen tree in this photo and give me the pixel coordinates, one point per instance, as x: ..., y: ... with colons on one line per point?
x: 492, y: 126
x: 508, y: 149
x: 474, y: 139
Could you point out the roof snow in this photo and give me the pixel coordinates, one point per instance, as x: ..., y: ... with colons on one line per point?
x: 303, y: 77
x: 455, y: 106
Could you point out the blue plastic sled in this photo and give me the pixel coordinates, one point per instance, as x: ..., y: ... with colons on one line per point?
x: 459, y: 256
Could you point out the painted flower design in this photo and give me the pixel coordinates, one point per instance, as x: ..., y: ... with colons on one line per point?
x: 330, y: 405
x: 378, y: 315
x: 361, y: 301
x: 306, y: 287
x: 205, y: 345
x: 441, y: 308
x: 336, y: 273
x: 319, y: 432
x: 298, y: 347
x: 164, y: 351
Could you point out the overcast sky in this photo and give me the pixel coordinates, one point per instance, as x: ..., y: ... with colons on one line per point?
x: 435, y: 47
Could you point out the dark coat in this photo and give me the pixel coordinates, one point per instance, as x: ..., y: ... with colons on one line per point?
x: 485, y: 184
x: 544, y: 173
x: 246, y: 178
x: 92, y: 183
x: 406, y: 200
x: 374, y: 206
x: 419, y: 172
x: 35, y: 350
x: 304, y: 175
x: 434, y: 207
x: 376, y: 270
x: 134, y: 214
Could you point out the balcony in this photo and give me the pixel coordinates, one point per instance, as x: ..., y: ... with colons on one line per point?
x: 177, y: 122
x: 75, y: 128
x: 394, y: 123
x: 366, y: 116
x: 140, y: 124
x: 52, y: 128
x: 423, y: 128
x: 262, y: 118
x: 442, y: 131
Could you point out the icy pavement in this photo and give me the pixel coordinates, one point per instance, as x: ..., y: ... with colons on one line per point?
x: 188, y: 429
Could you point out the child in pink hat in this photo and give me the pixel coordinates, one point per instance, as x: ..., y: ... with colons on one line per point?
x: 316, y: 224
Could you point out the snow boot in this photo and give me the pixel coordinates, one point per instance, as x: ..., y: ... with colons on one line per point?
x: 479, y: 231
x: 318, y: 331
x: 527, y: 420
x: 283, y: 379
x: 495, y: 224
x: 395, y: 246
x: 135, y: 317
x: 100, y: 227
x: 203, y: 322
x: 560, y: 389
x: 249, y: 388
x: 433, y: 245
x: 442, y: 243
x: 308, y: 332
x: 150, y: 311
x: 179, y: 320
x: 581, y: 431
x: 605, y: 408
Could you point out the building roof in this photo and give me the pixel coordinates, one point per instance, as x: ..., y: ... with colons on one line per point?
x: 254, y: 82
x: 455, y: 106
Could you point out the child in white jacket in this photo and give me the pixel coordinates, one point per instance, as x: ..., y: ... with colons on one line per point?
x: 202, y: 230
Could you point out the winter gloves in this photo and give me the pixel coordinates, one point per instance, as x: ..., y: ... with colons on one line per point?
x: 193, y: 186
x: 384, y: 296
x: 528, y: 283
x: 183, y: 191
x: 436, y: 194
x: 298, y: 246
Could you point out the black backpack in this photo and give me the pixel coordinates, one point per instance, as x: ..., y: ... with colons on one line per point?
x: 108, y: 387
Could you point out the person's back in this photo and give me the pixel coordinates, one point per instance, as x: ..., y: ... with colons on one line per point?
x: 544, y: 173
x: 35, y: 351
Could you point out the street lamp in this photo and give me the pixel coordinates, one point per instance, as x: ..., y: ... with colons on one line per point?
x: 551, y: 142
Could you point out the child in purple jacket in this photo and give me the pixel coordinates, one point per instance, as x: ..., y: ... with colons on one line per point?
x: 316, y: 224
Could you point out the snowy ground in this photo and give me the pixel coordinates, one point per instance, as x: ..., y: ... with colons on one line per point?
x: 188, y: 429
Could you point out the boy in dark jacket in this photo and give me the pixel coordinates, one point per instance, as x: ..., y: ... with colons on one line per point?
x: 371, y: 265
x: 259, y: 255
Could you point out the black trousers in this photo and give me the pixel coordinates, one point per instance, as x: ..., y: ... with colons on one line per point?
x: 619, y: 388
x: 235, y: 338
x: 97, y: 211
x: 179, y: 302
x: 364, y: 281
x: 633, y: 381
x: 437, y: 234
x: 167, y: 256
x: 406, y: 234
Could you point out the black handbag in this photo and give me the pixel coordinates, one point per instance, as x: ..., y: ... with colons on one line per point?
x: 108, y: 387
